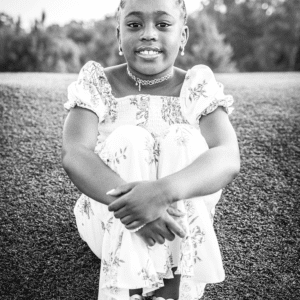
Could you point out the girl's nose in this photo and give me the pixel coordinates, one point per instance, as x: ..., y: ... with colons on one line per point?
x: 149, y: 34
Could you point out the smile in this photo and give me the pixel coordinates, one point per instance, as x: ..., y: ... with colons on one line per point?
x: 149, y: 53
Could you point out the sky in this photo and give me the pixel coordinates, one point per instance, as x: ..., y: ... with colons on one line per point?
x: 63, y: 11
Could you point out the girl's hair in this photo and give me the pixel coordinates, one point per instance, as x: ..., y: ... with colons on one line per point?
x: 181, y: 3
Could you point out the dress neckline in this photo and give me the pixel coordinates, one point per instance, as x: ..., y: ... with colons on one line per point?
x: 145, y: 95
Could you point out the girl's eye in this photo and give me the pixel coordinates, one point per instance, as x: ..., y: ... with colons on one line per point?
x: 134, y: 25
x: 163, y: 25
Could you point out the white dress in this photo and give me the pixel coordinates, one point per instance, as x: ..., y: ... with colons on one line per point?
x: 145, y: 137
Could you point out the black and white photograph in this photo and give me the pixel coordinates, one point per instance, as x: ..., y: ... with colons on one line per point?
x: 150, y: 150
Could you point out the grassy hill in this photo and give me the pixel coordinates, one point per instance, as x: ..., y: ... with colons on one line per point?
x: 257, y: 220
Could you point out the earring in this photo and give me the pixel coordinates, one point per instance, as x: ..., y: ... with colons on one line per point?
x: 182, y: 51
x: 120, y: 51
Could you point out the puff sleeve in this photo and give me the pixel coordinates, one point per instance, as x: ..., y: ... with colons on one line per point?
x: 203, y: 94
x: 87, y: 91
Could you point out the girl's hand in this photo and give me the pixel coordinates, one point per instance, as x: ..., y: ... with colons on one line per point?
x: 139, y: 203
x: 163, y: 228
x: 175, y: 212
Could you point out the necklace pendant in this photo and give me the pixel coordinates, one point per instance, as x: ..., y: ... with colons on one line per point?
x: 139, y: 82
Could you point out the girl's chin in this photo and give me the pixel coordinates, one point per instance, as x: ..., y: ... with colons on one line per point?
x: 149, y: 67
x: 149, y: 71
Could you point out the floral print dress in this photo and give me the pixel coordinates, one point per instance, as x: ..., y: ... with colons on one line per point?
x: 145, y: 137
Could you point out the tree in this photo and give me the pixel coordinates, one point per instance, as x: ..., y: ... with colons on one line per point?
x: 206, y: 45
x: 104, y: 46
x: 243, y: 25
x: 282, y: 37
x: 79, y: 32
x: 13, y: 43
x: 248, y: 35
x: 264, y: 34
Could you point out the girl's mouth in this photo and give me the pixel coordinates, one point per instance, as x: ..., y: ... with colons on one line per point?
x: 148, y: 53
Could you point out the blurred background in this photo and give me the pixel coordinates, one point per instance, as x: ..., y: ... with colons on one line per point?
x: 227, y: 35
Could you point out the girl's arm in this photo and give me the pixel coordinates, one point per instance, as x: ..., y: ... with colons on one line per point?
x: 213, y: 169
x: 209, y: 173
x: 94, y: 178
x: 85, y: 169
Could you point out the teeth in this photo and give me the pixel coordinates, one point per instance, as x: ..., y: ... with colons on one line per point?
x: 149, y: 52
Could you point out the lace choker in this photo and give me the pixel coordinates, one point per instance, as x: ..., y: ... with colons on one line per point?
x: 139, y: 82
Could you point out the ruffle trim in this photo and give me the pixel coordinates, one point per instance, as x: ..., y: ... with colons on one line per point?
x: 197, y: 260
x: 225, y: 102
x: 77, y: 102
x: 92, y: 91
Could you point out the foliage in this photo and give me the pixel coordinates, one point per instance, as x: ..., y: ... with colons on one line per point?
x: 206, y: 45
x: 227, y: 35
x: 65, y: 49
x: 264, y: 34
x: 40, y: 50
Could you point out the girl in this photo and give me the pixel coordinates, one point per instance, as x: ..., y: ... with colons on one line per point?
x: 150, y: 146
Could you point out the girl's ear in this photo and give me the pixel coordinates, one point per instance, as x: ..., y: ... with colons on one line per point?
x: 118, y: 34
x: 184, y: 35
x: 119, y: 42
x: 119, y: 37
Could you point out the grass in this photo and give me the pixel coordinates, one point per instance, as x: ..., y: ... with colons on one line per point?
x: 257, y: 220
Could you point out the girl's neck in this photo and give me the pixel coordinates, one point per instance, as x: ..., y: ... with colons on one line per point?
x: 143, y: 76
x: 149, y: 82
x: 122, y: 85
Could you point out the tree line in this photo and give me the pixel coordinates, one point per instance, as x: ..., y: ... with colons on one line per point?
x: 227, y: 35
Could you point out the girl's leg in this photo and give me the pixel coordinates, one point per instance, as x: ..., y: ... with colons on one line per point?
x: 170, y: 290
x: 178, y: 148
x: 128, y: 151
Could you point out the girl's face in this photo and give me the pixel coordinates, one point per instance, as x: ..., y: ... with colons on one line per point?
x: 150, y: 34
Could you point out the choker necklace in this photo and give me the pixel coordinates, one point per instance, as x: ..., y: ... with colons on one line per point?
x: 140, y: 82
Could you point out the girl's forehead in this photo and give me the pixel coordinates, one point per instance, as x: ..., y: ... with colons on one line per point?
x: 151, y: 6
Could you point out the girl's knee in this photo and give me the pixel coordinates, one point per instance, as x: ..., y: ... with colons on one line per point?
x: 182, y: 132
x: 129, y: 151
x: 180, y: 135
x: 131, y: 135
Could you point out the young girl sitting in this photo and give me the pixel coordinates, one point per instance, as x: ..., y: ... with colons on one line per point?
x: 150, y: 146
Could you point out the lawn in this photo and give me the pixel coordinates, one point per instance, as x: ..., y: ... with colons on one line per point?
x: 257, y: 220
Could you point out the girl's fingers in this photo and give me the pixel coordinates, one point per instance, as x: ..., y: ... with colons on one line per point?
x: 133, y: 225
x: 120, y: 214
x: 112, y: 192
x: 168, y: 235
x: 119, y: 191
x: 125, y: 220
x: 175, y: 212
x: 117, y: 204
x: 146, y: 237
x: 150, y: 242
x: 159, y: 239
x: 175, y: 227
x: 122, y: 189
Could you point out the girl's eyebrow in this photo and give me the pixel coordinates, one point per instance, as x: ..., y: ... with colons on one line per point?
x: 140, y: 13
x: 134, y: 13
x: 161, y: 12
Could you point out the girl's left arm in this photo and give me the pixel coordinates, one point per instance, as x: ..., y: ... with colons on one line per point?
x: 143, y: 202
x: 213, y: 169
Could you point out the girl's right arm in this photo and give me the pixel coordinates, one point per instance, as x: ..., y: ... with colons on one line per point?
x: 85, y: 169
x: 94, y: 178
